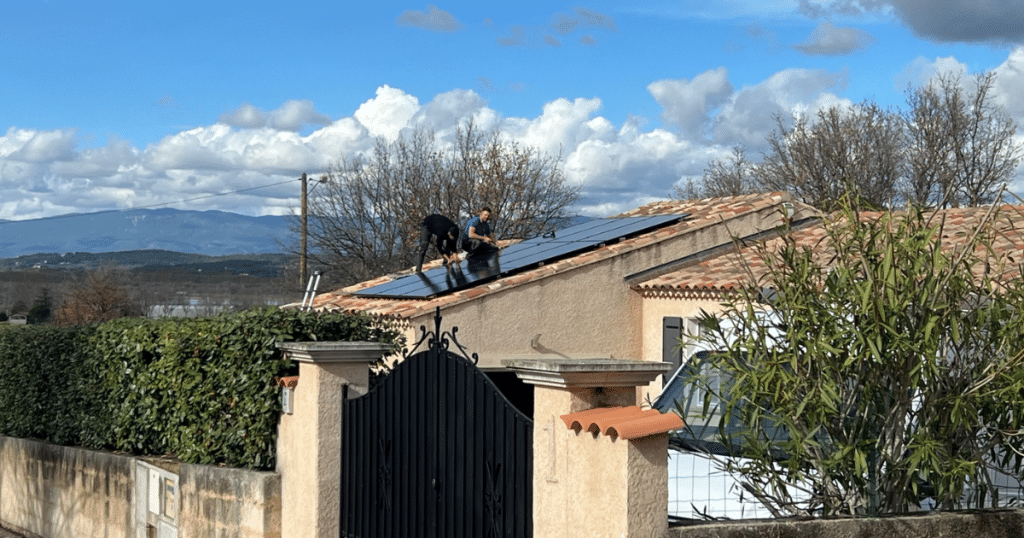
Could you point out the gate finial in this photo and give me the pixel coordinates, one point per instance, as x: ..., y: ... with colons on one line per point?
x: 439, y: 341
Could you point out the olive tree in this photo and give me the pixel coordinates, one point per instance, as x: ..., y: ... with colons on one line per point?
x: 885, y: 369
x: 365, y: 217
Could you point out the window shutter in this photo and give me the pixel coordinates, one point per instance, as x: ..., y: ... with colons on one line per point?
x: 671, y: 352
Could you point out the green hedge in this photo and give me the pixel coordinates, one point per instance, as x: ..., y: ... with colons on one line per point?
x: 44, y: 387
x: 197, y: 389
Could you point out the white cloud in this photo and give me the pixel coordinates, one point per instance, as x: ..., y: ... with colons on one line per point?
x: 343, y: 137
x: 434, y: 19
x: 118, y: 154
x: 617, y: 166
x: 922, y: 70
x: 1010, y: 85
x: 650, y: 162
x: 750, y: 114
x: 37, y: 146
x: 387, y: 113
x: 688, y: 103
x: 562, y: 125
x: 291, y: 116
x: 447, y: 110
x: 245, y: 116
x: 195, y: 149
x: 830, y: 40
x: 21, y: 205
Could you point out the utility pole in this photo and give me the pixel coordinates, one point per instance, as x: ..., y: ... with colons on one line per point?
x: 302, y: 241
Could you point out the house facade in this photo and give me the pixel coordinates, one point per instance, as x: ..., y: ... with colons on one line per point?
x: 636, y: 299
x: 587, y: 305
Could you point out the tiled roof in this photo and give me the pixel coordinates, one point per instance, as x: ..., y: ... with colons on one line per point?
x: 730, y: 270
x: 287, y: 382
x: 625, y: 422
x: 702, y: 213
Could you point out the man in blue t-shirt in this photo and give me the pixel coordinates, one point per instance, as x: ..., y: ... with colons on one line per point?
x: 477, y: 237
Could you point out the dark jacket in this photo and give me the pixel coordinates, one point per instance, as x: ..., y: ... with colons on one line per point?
x: 440, y: 226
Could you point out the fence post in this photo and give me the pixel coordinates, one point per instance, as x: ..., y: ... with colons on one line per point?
x: 612, y: 481
x: 309, y: 440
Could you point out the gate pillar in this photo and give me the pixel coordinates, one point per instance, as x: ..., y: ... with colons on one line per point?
x: 590, y: 479
x: 309, y: 439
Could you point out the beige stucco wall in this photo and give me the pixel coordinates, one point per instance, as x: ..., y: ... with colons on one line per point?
x: 67, y: 492
x: 657, y: 308
x: 309, y: 448
x: 615, y: 487
x: 584, y: 312
x: 63, y: 492
x: 221, y: 501
x: 557, y: 489
x: 654, y: 310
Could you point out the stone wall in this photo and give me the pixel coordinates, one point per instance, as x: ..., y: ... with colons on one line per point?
x: 220, y: 501
x: 65, y: 492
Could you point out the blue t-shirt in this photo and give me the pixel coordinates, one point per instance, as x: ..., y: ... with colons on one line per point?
x: 482, y: 228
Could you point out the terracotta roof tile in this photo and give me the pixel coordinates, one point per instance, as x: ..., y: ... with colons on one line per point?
x: 702, y: 213
x: 738, y: 267
x: 289, y: 382
x: 626, y: 422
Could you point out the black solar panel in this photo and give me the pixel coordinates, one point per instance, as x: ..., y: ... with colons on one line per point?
x: 517, y: 257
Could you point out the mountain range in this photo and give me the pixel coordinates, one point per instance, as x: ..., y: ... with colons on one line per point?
x: 211, y: 233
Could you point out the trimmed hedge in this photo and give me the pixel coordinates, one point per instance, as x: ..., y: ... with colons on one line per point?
x: 43, y: 386
x: 199, y: 389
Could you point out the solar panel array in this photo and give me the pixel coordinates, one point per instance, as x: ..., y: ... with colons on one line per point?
x: 518, y: 257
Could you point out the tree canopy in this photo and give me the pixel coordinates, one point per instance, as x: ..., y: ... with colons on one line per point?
x: 953, y: 147
x: 886, y: 368
x: 365, y: 217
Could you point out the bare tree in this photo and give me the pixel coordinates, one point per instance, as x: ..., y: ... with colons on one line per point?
x: 365, y: 218
x: 729, y: 177
x: 953, y: 147
x: 856, y: 148
x: 97, y: 296
x: 962, y: 148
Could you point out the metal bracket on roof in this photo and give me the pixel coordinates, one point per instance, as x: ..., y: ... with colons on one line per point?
x: 440, y: 341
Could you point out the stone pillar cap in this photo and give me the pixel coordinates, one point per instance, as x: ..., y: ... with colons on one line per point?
x: 586, y: 373
x: 321, y: 352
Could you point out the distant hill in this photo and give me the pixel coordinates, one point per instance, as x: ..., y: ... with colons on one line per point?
x: 258, y: 265
x: 211, y: 233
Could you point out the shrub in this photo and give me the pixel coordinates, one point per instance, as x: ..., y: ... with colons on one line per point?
x: 198, y: 389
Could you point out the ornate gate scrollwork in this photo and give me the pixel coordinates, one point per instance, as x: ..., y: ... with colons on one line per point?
x: 439, y: 341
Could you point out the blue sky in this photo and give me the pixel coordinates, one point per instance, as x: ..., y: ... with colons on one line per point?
x: 107, y: 105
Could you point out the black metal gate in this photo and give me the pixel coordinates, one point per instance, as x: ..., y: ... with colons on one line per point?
x: 435, y: 450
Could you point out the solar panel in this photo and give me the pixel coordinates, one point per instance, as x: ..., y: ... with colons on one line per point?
x: 518, y: 257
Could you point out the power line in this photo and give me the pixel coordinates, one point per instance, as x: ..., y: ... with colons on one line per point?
x: 105, y: 211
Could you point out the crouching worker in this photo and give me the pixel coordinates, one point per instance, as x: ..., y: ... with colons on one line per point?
x: 477, y: 238
x: 446, y: 234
